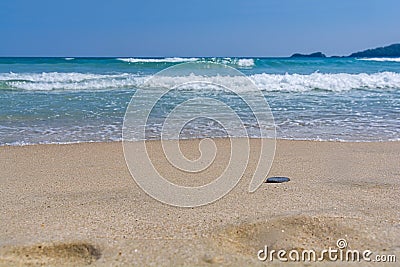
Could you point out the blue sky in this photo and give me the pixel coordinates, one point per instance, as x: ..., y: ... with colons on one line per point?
x: 195, y: 27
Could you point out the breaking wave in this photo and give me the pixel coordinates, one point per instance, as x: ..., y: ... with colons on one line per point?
x: 49, y: 81
x: 239, y: 62
x: 158, y: 60
x: 381, y: 59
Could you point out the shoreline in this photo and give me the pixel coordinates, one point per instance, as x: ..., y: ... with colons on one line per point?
x: 190, y: 139
x: 76, y: 204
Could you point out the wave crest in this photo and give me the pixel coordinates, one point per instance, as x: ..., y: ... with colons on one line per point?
x: 239, y: 62
x: 268, y: 82
x: 158, y: 60
x: 381, y: 59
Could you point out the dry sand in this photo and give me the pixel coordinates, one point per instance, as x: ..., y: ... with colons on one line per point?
x: 77, y: 204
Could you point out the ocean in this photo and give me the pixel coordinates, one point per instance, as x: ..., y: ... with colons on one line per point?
x: 71, y: 100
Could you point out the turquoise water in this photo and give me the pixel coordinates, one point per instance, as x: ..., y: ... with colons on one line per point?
x: 63, y: 100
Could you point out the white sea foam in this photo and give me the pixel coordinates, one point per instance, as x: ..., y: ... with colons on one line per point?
x: 68, y: 81
x: 236, y: 62
x: 324, y: 81
x: 58, y: 76
x: 245, y: 62
x: 69, y: 58
x: 268, y: 82
x: 158, y: 60
x: 381, y: 59
x: 239, y: 62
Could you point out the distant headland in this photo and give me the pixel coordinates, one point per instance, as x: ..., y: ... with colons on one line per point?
x: 386, y: 51
x: 316, y: 54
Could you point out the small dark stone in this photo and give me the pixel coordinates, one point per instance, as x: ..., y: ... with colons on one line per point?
x: 277, y: 180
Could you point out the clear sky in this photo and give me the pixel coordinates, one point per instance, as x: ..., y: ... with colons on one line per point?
x: 195, y: 27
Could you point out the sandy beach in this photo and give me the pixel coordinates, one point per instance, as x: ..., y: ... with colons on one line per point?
x: 77, y: 204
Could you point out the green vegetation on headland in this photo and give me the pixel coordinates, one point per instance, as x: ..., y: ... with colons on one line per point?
x: 386, y: 51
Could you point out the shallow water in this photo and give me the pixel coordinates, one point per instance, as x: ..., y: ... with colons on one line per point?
x: 62, y: 100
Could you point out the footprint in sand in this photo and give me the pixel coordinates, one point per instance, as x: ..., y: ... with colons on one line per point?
x: 79, y: 253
